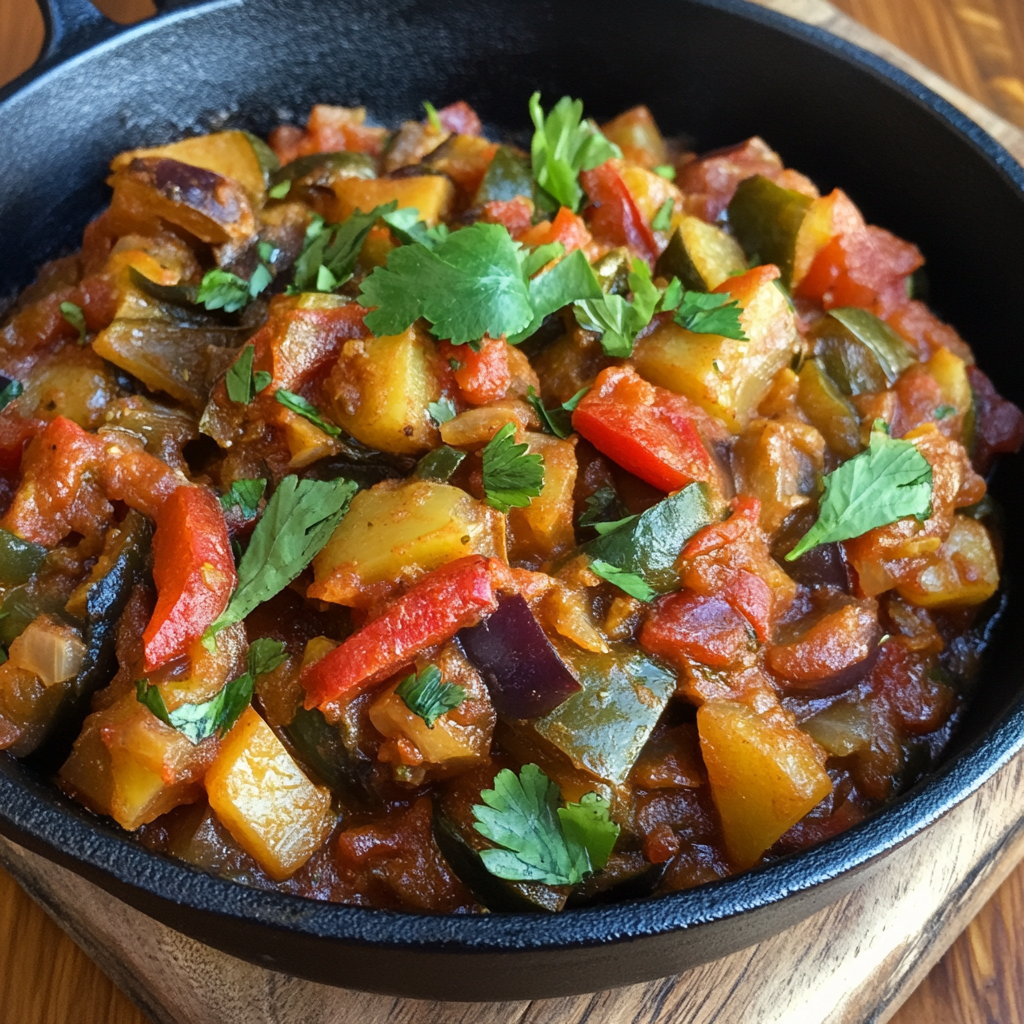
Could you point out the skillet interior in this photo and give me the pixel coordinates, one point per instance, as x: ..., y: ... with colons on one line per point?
x: 716, y: 70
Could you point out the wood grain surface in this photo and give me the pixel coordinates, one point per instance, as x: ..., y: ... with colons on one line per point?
x: 978, y: 45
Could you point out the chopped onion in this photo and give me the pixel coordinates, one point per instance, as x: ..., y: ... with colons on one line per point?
x: 49, y: 650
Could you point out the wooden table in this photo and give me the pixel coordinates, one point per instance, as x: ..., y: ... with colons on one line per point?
x: 976, y: 44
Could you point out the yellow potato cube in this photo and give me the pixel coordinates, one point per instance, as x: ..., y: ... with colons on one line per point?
x: 545, y: 525
x: 261, y: 796
x: 430, y: 194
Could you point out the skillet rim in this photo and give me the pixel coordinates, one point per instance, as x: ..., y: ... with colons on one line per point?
x: 34, y: 814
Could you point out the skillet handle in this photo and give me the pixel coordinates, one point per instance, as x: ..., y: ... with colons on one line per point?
x: 71, y: 27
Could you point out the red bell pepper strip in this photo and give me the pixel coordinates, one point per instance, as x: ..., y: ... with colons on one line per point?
x: 193, y: 570
x: 458, y: 594
x: 482, y: 376
x: 566, y: 228
x: 645, y: 429
x: 615, y: 217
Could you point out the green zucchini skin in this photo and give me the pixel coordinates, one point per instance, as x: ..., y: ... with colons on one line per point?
x: 675, y: 261
x: 766, y: 219
x: 508, y: 175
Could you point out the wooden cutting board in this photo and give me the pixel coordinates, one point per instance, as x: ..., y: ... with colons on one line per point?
x: 853, y: 962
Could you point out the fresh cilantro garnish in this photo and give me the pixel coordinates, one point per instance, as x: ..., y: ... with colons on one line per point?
x: 246, y: 495
x: 662, y: 220
x: 617, y: 320
x: 10, y: 391
x: 74, y: 316
x: 533, y: 260
x: 627, y: 581
x: 297, y: 522
x: 888, y: 481
x: 570, y: 279
x: 671, y: 296
x: 943, y: 411
x: 297, y: 404
x: 666, y: 171
x: 442, y: 410
x: 242, y: 384
x: 703, y: 313
x: 330, y: 255
x: 439, y: 464
x: 555, y: 421
x: 603, y: 507
x: 511, y: 477
x: 540, y: 841
x: 407, y: 227
x: 280, y: 190
x: 220, y: 289
x: 199, y: 721
x: 432, y: 116
x: 426, y: 694
x: 563, y: 145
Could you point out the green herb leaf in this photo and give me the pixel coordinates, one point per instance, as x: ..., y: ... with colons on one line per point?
x: 662, y: 220
x: 241, y: 383
x: 563, y: 145
x: 442, y: 410
x: 569, y: 279
x: 297, y: 404
x: 330, y: 255
x: 617, y: 320
x: 555, y: 421
x: 888, y: 481
x: 943, y: 411
x: 246, y: 495
x: 603, y: 507
x: 432, y: 116
x: 627, y: 581
x: 405, y: 223
x: 537, y: 841
x: 280, y: 190
x: 152, y: 698
x: 426, y: 694
x: 469, y: 285
x: 608, y: 527
x: 297, y: 522
x: 666, y: 171
x: 10, y: 391
x: 511, y: 476
x: 533, y: 260
x: 439, y: 464
x: 74, y: 316
x: 220, y: 289
x: 703, y: 313
x: 671, y: 296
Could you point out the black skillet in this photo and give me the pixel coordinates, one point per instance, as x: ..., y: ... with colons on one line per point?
x: 716, y: 70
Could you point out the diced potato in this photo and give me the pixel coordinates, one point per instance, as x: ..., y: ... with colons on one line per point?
x: 727, y: 378
x: 396, y: 532
x: 963, y: 570
x: 650, y: 190
x: 306, y: 441
x: 950, y: 372
x: 230, y: 154
x: 264, y: 800
x: 765, y: 775
x: 460, y: 737
x: 544, y: 528
x: 380, y: 388
x: 464, y: 158
x: 430, y: 194
x: 636, y: 134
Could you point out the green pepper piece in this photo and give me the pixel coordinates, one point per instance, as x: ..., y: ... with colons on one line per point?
x: 766, y: 219
x: 892, y: 352
x: 650, y: 544
x: 603, y: 727
x: 439, y: 464
x: 323, y: 168
x: 322, y: 747
x: 612, y: 271
x: 508, y: 175
x: 19, y: 559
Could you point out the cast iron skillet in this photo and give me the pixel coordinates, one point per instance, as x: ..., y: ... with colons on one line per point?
x: 718, y: 70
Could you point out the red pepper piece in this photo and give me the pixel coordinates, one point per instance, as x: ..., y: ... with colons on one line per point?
x: 645, y: 429
x: 566, y: 228
x: 515, y: 215
x: 193, y: 570
x: 461, y: 118
x: 615, y: 217
x: 692, y: 625
x: 482, y: 376
x: 458, y: 594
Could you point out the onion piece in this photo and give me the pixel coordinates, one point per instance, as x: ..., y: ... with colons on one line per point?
x: 49, y: 650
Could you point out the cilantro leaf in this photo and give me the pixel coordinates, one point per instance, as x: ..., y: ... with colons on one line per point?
x: 74, y: 316
x: 297, y: 522
x: 616, y: 320
x: 439, y: 464
x: 432, y: 116
x: 627, y: 581
x: 220, y: 289
x: 10, y: 391
x: 555, y: 421
x: 330, y: 255
x: 242, y: 384
x: 563, y: 145
x: 603, y: 506
x: 888, y: 481
x: 246, y: 495
x: 427, y: 694
x: 671, y: 296
x: 469, y: 285
x: 280, y: 190
x: 199, y: 721
x: 442, y: 410
x: 405, y: 223
x: 511, y: 477
x: 666, y: 171
x: 537, y: 841
x: 711, y: 314
x: 569, y: 279
x: 298, y: 404
x: 662, y: 220
x: 533, y: 260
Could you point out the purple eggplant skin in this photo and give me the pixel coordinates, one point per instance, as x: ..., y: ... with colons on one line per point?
x: 525, y: 675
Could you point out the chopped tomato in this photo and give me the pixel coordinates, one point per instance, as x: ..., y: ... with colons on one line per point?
x: 704, y: 628
x: 647, y: 430
x: 434, y: 610
x: 916, y: 323
x: 516, y: 215
x: 999, y: 424
x: 614, y: 218
x: 482, y: 376
x: 461, y: 118
x: 566, y: 228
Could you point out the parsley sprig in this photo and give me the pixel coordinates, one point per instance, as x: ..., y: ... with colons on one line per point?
x: 73, y: 314
x: 306, y: 409
x: 428, y: 695
x: 705, y: 313
x: 297, y: 522
x: 220, y: 289
x: 555, y: 421
x: 629, y: 582
x: 246, y: 495
x: 537, y: 840
x: 888, y: 481
x: 511, y: 476
x: 617, y: 320
x: 217, y: 715
x: 242, y: 383
x: 563, y: 145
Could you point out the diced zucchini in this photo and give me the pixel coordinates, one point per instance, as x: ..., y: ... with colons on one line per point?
x: 399, y: 530
x: 19, y: 559
x: 700, y: 255
x: 264, y: 800
x: 828, y: 410
x: 894, y: 355
x: 842, y: 728
x: 766, y: 219
x: 859, y: 352
x: 321, y: 169
x: 380, y: 389
x: 508, y: 175
x: 431, y: 194
x: 765, y: 775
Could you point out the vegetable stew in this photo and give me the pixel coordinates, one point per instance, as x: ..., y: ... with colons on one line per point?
x: 399, y: 518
